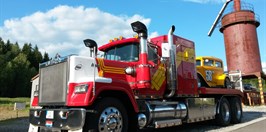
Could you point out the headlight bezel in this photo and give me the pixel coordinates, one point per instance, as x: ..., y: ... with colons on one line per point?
x: 81, y: 88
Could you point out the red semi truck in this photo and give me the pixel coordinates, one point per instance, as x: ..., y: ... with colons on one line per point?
x: 139, y: 83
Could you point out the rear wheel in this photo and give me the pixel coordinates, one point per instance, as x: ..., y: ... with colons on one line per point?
x: 110, y: 116
x: 236, y: 110
x: 223, y: 117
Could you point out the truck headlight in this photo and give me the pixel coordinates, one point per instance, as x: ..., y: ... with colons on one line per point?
x: 81, y: 88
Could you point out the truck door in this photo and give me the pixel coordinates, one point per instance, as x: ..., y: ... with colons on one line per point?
x: 157, y: 70
x: 218, y: 72
x: 209, y: 71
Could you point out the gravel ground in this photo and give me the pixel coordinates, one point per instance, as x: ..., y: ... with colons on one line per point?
x: 250, y: 115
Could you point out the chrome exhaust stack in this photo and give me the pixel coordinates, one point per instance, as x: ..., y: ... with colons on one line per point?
x: 143, y: 69
x: 171, y: 64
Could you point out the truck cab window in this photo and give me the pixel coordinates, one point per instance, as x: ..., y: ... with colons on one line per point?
x: 126, y: 52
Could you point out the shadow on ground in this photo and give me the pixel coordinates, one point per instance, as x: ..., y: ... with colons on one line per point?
x: 22, y: 124
x: 207, y: 125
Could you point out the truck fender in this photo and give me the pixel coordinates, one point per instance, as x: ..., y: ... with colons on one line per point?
x: 108, y: 89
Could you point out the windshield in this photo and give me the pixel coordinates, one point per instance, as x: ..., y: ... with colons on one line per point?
x: 127, y: 52
x: 208, y: 62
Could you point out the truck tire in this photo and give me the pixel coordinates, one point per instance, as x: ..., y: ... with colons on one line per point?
x: 223, y: 117
x: 236, y: 110
x: 110, y: 115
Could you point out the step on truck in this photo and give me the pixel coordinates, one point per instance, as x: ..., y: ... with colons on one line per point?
x: 138, y: 83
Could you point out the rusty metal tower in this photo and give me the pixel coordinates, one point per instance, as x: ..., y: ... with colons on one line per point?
x: 241, y: 41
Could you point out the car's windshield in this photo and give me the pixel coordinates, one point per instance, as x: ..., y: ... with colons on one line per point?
x: 218, y: 64
x: 126, y: 52
x: 208, y: 62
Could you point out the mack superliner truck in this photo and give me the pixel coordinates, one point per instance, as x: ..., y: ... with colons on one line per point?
x: 138, y: 83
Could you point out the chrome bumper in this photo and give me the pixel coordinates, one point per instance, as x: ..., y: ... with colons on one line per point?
x: 65, y: 119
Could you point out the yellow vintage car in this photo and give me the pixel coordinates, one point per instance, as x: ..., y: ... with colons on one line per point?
x: 210, y: 72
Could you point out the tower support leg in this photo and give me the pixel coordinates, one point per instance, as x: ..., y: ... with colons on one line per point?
x: 261, y: 91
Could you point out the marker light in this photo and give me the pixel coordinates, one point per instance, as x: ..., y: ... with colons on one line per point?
x: 136, y: 36
x: 121, y: 37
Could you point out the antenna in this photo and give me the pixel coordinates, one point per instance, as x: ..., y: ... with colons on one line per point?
x: 218, y: 17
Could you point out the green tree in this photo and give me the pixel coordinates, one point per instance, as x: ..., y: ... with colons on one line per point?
x: 2, y: 45
x: 27, y: 49
x: 45, y: 57
x: 36, y: 57
x: 17, y: 67
x: 254, y: 82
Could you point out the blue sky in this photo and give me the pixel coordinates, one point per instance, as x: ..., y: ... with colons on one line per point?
x: 59, y: 26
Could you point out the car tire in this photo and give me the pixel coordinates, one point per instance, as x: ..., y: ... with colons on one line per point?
x: 227, y: 83
x: 201, y: 82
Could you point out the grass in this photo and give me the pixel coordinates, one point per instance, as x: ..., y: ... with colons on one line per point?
x: 7, y: 108
x: 12, y: 101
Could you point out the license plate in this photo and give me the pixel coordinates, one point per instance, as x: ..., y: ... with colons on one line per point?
x: 49, y: 114
x: 49, y: 124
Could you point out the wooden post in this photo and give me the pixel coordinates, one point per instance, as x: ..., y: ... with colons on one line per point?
x: 249, y: 99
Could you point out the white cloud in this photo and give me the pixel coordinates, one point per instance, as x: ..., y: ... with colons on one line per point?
x: 206, y: 1
x: 263, y: 64
x: 63, y: 29
x: 153, y: 34
x: 225, y: 68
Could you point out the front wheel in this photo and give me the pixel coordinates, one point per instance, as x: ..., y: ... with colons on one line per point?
x: 110, y: 116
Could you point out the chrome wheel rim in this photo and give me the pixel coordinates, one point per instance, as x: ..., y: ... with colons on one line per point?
x: 110, y: 120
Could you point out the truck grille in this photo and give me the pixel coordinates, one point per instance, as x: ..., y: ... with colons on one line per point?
x: 53, y: 84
